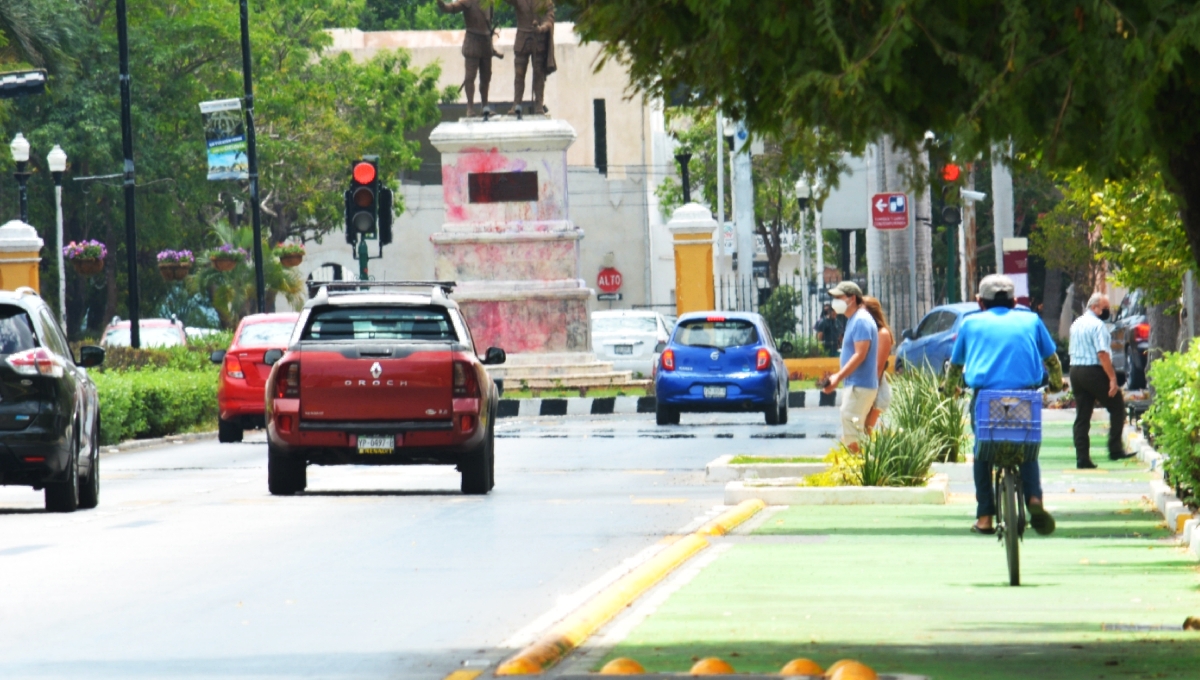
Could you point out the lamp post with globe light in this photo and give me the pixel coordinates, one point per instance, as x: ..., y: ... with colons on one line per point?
x: 57, y: 160
x: 20, y: 154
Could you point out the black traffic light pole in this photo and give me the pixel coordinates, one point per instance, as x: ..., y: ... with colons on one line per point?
x: 260, y: 286
x: 135, y: 317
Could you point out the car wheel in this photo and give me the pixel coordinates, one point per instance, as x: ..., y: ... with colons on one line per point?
x: 63, y: 496
x: 665, y: 415
x: 772, y: 412
x: 286, y: 475
x: 477, y: 468
x: 89, y: 486
x: 229, y: 431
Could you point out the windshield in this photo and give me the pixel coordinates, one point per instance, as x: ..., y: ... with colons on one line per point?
x: 16, y: 330
x: 380, y: 323
x: 615, y: 325
x: 720, y: 334
x: 274, y: 334
x: 150, y: 337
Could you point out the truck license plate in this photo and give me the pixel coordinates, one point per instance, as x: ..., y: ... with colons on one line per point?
x: 714, y: 392
x: 622, y: 349
x: 376, y: 444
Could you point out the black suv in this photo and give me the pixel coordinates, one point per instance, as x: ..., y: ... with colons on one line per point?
x: 1130, y: 340
x: 49, y: 411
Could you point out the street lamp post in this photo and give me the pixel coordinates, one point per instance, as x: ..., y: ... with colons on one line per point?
x: 20, y: 154
x: 57, y: 160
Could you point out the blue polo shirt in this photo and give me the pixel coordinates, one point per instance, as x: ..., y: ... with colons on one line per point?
x: 1002, y: 349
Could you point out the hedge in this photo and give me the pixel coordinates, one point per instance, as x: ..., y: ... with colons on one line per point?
x: 154, y: 402
x: 1174, y: 419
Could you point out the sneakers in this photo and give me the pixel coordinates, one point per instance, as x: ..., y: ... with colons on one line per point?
x: 1041, y: 521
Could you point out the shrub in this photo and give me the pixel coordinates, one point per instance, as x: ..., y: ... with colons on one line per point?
x: 918, y: 404
x: 803, y: 347
x: 895, y: 457
x: 779, y: 311
x: 1174, y: 418
x: 154, y: 402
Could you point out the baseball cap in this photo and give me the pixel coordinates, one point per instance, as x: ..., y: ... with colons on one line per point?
x: 993, y: 284
x: 846, y: 289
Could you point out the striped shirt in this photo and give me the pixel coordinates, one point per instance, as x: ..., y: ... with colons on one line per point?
x: 1089, y: 337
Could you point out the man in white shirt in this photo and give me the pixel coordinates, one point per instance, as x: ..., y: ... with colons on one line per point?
x: 1093, y: 381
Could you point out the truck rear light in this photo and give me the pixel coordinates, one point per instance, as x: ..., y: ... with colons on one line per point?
x: 1141, y: 332
x: 288, y: 386
x: 467, y: 423
x: 466, y: 383
x: 233, y: 367
x: 35, y: 459
x: 285, y: 424
x: 668, y: 360
x: 36, y: 361
x: 764, y: 360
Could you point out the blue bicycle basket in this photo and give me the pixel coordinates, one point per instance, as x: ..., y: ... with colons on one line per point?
x: 1008, y: 425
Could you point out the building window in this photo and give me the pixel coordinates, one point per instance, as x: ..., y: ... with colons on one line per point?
x: 600, y: 132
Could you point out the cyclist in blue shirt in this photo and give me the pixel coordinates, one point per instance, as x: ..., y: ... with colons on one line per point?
x: 1002, y: 348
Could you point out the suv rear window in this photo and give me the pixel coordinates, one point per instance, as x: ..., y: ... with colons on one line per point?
x: 719, y: 334
x: 380, y: 323
x: 16, y: 330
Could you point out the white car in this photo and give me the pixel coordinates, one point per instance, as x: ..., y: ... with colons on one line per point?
x: 629, y: 339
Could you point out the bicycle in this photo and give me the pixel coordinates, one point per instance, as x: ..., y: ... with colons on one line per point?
x: 1009, y: 433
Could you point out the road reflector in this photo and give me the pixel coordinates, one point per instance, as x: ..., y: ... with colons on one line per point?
x: 712, y: 666
x: 802, y: 667
x: 622, y: 666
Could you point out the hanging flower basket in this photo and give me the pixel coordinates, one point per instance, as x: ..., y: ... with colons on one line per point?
x: 87, y: 257
x: 226, y: 257
x: 290, y: 254
x: 175, y: 265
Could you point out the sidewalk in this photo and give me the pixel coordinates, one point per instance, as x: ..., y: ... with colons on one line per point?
x: 907, y: 589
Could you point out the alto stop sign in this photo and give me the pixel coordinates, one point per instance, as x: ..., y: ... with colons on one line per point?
x: 609, y: 280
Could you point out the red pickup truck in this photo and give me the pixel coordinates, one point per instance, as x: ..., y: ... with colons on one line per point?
x: 380, y: 374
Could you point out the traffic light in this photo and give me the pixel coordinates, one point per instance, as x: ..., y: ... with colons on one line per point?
x: 362, y: 200
x: 385, y: 216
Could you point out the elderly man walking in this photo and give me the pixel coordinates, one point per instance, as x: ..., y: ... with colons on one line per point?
x: 1093, y: 381
x: 860, y: 343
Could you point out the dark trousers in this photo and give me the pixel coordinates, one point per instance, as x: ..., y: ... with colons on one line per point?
x: 1090, y: 387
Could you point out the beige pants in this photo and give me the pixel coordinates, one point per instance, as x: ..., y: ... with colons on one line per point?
x: 856, y: 404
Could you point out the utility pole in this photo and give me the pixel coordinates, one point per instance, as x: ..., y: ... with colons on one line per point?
x: 260, y: 286
x: 743, y: 201
x: 135, y: 317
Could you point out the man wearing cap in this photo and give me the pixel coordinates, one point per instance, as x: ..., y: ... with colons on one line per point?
x: 860, y: 341
x: 1094, y: 380
x: 1002, y: 348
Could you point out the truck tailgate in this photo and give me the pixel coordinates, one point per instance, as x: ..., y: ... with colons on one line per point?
x: 385, y: 383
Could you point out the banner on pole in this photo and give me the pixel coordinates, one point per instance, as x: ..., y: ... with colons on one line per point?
x: 225, y: 136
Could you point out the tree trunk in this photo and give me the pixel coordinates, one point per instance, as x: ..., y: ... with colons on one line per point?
x: 1189, y: 317
x: 1164, y: 330
x: 1052, y: 298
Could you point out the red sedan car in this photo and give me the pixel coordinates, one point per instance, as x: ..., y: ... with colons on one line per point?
x: 240, y: 396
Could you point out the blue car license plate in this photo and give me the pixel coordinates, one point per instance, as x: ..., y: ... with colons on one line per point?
x: 714, y: 392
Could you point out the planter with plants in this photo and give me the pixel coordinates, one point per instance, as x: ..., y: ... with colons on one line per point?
x: 290, y: 254
x: 87, y: 257
x: 175, y: 265
x: 226, y: 257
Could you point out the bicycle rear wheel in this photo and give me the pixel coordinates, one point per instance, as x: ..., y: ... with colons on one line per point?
x: 1010, y: 507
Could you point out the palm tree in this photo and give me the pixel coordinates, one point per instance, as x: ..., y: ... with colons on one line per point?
x: 36, y: 33
x: 233, y: 292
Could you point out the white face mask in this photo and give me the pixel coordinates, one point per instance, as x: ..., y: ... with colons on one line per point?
x: 839, y: 305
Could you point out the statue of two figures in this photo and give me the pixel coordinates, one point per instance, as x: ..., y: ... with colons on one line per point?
x: 535, y: 43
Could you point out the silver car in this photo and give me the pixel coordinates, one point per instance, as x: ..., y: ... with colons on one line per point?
x: 629, y: 339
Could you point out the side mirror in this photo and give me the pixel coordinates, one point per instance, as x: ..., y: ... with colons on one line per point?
x: 217, y: 357
x: 660, y: 347
x: 786, y: 347
x: 272, y: 356
x: 494, y: 357
x: 907, y: 334
x: 90, y: 356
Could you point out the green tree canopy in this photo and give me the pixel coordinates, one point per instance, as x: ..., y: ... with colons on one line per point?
x: 1105, y: 86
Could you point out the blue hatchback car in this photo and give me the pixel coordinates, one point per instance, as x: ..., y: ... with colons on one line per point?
x: 721, y: 361
x: 932, y: 343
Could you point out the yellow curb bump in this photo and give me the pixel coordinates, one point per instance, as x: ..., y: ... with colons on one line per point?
x: 463, y: 675
x: 1181, y: 520
x: 802, y: 667
x: 729, y: 520
x: 711, y: 666
x: 848, y: 669
x: 622, y: 666
x: 573, y: 630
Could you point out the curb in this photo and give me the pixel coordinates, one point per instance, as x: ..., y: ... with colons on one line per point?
x: 721, y: 470
x: 1178, y: 517
x: 783, y: 491
x: 568, y: 634
x: 136, y: 444
x: 607, y: 406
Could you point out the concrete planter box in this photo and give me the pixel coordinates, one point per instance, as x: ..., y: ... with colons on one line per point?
x: 784, y: 491
x: 720, y: 470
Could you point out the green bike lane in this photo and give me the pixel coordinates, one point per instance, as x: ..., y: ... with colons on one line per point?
x: 908, y: 589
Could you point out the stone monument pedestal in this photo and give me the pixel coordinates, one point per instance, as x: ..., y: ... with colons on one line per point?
x: 508, y: 239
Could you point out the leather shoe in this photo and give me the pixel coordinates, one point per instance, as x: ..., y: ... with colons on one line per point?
x: 1122, y: 456
x: 1085, y: 465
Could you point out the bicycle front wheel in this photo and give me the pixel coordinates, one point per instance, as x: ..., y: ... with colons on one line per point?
x: 1010, y: 507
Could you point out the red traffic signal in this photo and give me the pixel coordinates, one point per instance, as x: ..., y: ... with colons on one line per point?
x: 951, y: 172
x: 362, y: 200
x: 364, y: 173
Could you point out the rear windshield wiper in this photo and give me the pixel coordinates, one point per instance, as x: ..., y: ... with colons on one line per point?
x: 719, y: 349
